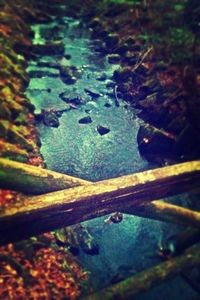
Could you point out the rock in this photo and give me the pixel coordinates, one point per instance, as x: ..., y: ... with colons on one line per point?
x: 85, y: 120
x: 50, y: 118
x: 136, y: 48
x: 71, y: 97
x: 102, y: 130
x: 68, y: 56
x: 114, y: 218
x: 93, y: 93
x: 121, y: 50
x: 40, y: 74
x: 95, y: 22
x: 85, y: 240
x: 122, y: 75
x: 102, y: 77
x: 111, y: 40
x: 142, y: 70
x: 113, y: 58
x: 154, y: 142
x: 107, y: 104
x: 130, y: 41
x: 69, y: 74
x: 67, y: 237
x: 56, y: 48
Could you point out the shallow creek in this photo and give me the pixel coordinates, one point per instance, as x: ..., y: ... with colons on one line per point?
x: 82, y: 150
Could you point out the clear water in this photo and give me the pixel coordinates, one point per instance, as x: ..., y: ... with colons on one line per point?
x: 79, y: 150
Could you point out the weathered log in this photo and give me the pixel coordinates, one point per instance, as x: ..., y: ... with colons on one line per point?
x: 33, y: 180
x: 162, y: 211
x: 50, y: 211
x: 147, y: 279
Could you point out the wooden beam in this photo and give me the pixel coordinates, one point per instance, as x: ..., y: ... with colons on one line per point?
x: 163, y: 211
x: 34, y: 180
x: 50, y: 211
x: 143, y: 281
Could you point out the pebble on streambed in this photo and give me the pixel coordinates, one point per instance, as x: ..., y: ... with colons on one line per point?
x: 85, y: 120
x: 102, y: 130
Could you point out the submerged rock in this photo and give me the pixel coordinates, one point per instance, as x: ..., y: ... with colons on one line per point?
x: 102, y: 77
x: 85, y: 120
x: 114, y: 218
x: 113, y: 58
x: 122, y: 75
x: 71, y: 97
x: 50, y: 118
x: 102, y: 130
x: 111, y: 40
x: 85, y: 240
x: 93, y: 93
x: 69, y: 74
x: 68, y: 238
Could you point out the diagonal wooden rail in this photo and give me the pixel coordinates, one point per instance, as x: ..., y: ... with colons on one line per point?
x: 57, y: 209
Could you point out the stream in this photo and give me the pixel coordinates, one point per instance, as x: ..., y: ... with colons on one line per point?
x: 96, y: 139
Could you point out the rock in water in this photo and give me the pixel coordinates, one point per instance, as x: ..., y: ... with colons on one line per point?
x: 68, y: 238
x: 50, y: 118
x: 86, y: 241
x: 71, y: 97
x: 85, y: 120
x: 93, y: 93
x: 102, y: 130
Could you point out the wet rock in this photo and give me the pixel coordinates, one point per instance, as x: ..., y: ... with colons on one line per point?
x: 121, y: 50
x: 136, y: 48
x: 114, y: 218
x: 113, y: 58
x: 111, y: 40
x: 71, y: 97
x: 67, y: 237
x: 40, y: 74
x: 85, y: 120
x: 154, y: 143
x: 68, y: 56
x: 86, y: 241
x: 130, y: 58
x: 102, y: 77
x: 130, y: 41
x: 122, y: 75
x: 93, y: 93
x: 50, y: 118
x: 95, y: 22
x: 107, y: 104
x: 142, y: 70
x: 56, y: 48
x: 102, y: 130
x: 69, y: 74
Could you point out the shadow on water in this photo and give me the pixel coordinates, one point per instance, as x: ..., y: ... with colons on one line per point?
x: 84, y: 149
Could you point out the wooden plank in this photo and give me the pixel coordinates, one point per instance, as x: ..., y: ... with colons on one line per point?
x: 50, y: 211
x: 163, y: 211
x: 34, y: 180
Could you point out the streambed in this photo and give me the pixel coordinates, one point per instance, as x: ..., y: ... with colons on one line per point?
x: 84, y: 149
